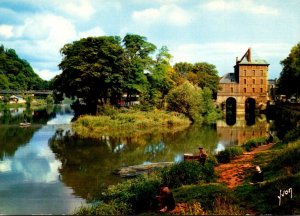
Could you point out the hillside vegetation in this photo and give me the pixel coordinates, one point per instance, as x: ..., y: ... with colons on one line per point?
x: 16, y: 73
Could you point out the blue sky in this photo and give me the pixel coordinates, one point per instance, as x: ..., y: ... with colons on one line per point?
x: 214, y: 31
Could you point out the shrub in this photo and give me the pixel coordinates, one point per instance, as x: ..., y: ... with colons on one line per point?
x: 188, y: 172
x: 253, y: 143
x: 228, y: 154
x: 138, y: 193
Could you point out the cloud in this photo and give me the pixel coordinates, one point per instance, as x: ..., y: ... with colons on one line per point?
x: 6, y: 31
x: 168, y: 14
x: 46, y: 74
x: 97, y: 31
x: 242, y: 6
x: 223, y: 54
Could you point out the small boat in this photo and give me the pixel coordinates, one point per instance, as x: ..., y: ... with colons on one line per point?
x: 25, y: 124
x: 132, y: 171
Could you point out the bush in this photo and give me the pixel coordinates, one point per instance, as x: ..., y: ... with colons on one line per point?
x: 188, y: 172
x: 228, y: 154
x: 138, y: 193
x: 253, y: 143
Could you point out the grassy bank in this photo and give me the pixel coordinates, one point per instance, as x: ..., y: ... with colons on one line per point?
x: 196, y: 187
x: 129, y: 123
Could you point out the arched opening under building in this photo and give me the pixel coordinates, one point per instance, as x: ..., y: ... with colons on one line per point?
x: 230, y: 111
x: 250, y: 105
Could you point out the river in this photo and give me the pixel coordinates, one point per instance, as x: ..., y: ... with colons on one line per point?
x: 46, y: 169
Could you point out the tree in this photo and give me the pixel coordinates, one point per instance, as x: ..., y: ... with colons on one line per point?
x: 92, y: 71
x: 207, y: 76
x: 187, y: 99
x: 138, y: 60
x: 182, y: 68
x: 290, y: 75
x: 162, y: 77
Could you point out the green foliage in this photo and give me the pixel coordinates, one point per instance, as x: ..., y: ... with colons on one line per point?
x: 292, y: 135
x: 139, y: 193
x: 120, y: 124
x: 263, y: 197
x: 253, y: 143
x: 290, y: 74
x: 186, y: 99
x: 111, y: 208
x: 49, y: 100
x: 188, y: 172
x: 286, y: 159
x: 16, y: 73
x: 210, y: 113
x: 228, y: 154
x: 206, y: 194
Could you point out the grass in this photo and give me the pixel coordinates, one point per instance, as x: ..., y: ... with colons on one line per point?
x: 133, y: 123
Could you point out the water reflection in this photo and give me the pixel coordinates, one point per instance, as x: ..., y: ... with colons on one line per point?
x: 241, y: 131
x: 93, y: 161
x: 29, y: 177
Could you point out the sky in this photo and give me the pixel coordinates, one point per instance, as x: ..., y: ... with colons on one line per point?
x: 213, y: 31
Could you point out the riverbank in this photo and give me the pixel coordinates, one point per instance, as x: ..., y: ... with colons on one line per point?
x: 200, y: 189
x: 129, y: 123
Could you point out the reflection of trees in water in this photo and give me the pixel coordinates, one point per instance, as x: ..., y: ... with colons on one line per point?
x: 87, y: 164
x: 12, y: 136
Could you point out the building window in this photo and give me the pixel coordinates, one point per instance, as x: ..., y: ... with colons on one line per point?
x: 244, y: 72
x: 231, y: 90
x: 253, y: 72
x: 245, y: 81
x: 262, y: 72
x: 261, y: 81
x: 253, y: 90
x: 253, y: 81
x: 261, y: 90
x: 245, y: 90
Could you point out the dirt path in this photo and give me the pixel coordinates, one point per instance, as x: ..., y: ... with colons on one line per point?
x: 233, y: 173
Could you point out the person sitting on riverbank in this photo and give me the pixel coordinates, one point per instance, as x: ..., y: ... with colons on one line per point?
x: 165, y: 199
x: 202, y: 156
x: 258, y: 175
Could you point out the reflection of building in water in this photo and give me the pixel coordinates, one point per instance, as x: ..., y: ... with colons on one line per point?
x: 240, y: 132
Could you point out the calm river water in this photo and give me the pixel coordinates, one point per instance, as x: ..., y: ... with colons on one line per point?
x: 45, y: 169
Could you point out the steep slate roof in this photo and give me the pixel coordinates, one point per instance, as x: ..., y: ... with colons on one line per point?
x: 249, y: 58
x: 228, y: 78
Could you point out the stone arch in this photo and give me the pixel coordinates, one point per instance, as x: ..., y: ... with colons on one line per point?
x: 250, y: 106
x: 231, y: 104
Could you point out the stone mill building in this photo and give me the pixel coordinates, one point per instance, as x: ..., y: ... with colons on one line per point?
x: 247, y: 86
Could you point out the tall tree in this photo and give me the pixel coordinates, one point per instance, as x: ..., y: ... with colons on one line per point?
x: 137, y: 51
x: 92, y: 71
x: 162, y: 77
x: 290, y: 75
